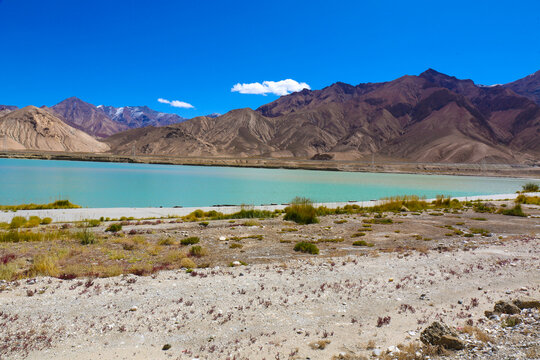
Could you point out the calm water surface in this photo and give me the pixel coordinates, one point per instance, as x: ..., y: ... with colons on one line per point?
x: 91, y: 184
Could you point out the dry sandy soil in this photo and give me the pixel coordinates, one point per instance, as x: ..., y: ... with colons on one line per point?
x: 288, y: 305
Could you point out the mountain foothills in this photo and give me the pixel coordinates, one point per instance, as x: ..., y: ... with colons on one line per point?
x: 431, y: 117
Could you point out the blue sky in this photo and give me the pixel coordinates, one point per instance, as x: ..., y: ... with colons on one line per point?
x: 135, y: 52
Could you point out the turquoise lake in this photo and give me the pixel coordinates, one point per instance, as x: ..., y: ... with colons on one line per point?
x: 92, y: 184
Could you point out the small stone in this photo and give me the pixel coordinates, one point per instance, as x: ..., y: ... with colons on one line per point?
x: 222, y: 238
x: 166, y: 347
x: 391, y: 280
x: 377, y: 352
x: 133, y: 308
x: 236, y: 263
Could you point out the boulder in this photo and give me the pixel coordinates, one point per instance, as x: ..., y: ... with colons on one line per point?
x: 503, y: 307
x: 527, y: 303
x: 441, y: 334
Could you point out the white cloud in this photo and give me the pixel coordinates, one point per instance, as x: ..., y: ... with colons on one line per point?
x: 279, y: 88
x: 176, y: 103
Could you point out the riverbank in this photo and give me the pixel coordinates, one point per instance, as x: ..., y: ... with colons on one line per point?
x: 380, y: 165
x: 69, y: 215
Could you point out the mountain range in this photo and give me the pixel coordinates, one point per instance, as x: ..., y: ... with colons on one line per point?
x: 431, y: 117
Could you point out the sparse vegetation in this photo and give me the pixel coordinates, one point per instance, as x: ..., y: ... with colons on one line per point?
x: 197, y: 251
x: 116, y: 227
x: 59, y: 204
x: 515, y: 211
x: 362, y: 243
x: 190, y: 240
x: 301, y: 211
x: 530, y: 187
x: 306, y: 247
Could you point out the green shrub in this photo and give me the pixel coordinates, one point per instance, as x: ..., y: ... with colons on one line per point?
x: 33, y: 221
x: 378, y: 220
x: 166, y: 241
x: 85, y: 236
x: 20, y: 236
x: 114, y: 228
x: 306, y: 247
x: 301, y: 211
x: 190, y: 240
x: 531, y: 187
x: 93, y: 222
x: 204, y: 223
x: 17, y: 222
x: 197, y: 251
x: 236, y: 246
x: 358, y: 234
x: 46, y: 221
x: 515, y: 211
x: 362, y: 243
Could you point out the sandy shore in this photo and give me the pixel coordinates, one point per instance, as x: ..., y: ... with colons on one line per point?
x: 59, y: 215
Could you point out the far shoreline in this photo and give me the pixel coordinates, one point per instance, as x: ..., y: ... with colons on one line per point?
x: 380, y: 166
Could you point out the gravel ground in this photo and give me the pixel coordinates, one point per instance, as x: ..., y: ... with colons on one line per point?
x: 310, y: 307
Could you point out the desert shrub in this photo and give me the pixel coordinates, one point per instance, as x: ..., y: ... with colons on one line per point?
x: 173, y: 257
x: 301, y: 211
x: 190, y: 240
x: 46, y: 221
x: 530, y: 187
x: 44, y: 265
x: 187, y: 263
x: 442, y: 201
x: 531, y: 200
x: 251, y: 223
x: 17, y: 222
x: 362, y: 243
x: 483, y: 208
x: 59, y: 204
x: 358, y: 234
x: 85, y: 236
x: 515, y: 211
x: 401, y: 203
x: 378, y: 220
x: 343, y: 221
x: 93, y: 223
x: 204, y: 223
x: 114, y: 227
x: 197, y: 251
x: 336, y: 240
x: 236, y: 246
x: 166, y: 241
x: 306, y: 247
x: 33, y: 221
x: 20, y: 236
x: 8, y: 271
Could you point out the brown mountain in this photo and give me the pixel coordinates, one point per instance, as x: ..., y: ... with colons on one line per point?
x: 529, y: 87
x: 86, y: 117
x: 31, y: 128
x: 430, y: 118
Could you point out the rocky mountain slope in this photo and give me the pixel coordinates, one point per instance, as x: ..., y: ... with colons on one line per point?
x: 31, y: 128
x: 429, y: 118
x: 4, y: 109
x: 139, y: 116
x: 529, y: 86
x: 86, y: 117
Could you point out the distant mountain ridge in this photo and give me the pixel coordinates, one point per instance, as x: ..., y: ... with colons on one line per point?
x: 431, y: 117
x: 139, y: 116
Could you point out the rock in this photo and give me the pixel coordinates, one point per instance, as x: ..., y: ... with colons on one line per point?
x: 133, y: 308
x: 166, y: 347
x: 440, y: 334
x: 451, y: 342
x: 527, y: 303
x: 377, y: 352
x: 503, y: 307
x: 236, y: 263
x: 222, y: 238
